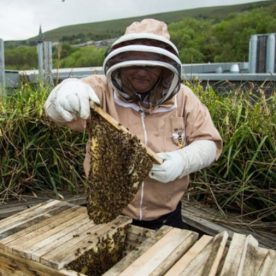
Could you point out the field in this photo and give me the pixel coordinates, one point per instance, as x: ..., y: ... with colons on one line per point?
x: 37, y: 155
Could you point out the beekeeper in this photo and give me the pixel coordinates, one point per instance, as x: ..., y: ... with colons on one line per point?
x: 142, y: 89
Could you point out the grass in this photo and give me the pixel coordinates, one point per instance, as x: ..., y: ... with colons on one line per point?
x: 37, y: 155
x: 243, y: 180
x: 34, y: 153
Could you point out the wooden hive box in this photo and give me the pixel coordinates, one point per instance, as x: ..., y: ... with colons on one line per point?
x: 51, y: 237
x: 175, y: 252
x: 47, y: 238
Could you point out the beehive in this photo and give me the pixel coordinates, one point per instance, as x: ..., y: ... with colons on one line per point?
x: 60, y: 235
x: 119, y: 164
x: 52, y: 238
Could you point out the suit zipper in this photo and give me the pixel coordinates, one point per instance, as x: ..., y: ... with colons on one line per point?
x: 142, y: 115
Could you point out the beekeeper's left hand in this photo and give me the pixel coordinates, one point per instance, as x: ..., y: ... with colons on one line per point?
x: 179, y: 163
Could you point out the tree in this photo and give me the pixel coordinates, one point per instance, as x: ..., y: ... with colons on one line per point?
x: 190, y: 36
x: 84, y: 57
x: 21, y: 58
x: 235, y: 32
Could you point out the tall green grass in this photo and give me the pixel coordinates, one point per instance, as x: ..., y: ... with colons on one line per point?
x: 244, y: 178
x: 35, y: 154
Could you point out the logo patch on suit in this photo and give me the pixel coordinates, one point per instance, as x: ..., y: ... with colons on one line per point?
x: 178, y: 137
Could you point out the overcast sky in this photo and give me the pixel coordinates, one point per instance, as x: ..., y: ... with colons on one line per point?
x: 20, y: 19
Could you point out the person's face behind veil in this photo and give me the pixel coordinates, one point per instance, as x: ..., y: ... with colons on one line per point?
x: 139, y: 79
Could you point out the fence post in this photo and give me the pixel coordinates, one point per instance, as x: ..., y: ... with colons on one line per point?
x: 270, y: 54
x: 48, y: 64
x: 253, y: 53
x: 2, y: 70
x: 39, y: 48
x: 45, y: 65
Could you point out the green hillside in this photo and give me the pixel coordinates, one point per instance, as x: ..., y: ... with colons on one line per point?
x: 114, y: 28
x: 222, y: 36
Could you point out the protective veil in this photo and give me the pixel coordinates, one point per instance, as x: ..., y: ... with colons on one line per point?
x: 145, y: 45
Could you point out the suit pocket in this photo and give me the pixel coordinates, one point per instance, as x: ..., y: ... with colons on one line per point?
x: 174, y: 137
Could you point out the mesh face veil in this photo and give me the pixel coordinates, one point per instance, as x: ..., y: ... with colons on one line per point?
x: 144, y: 50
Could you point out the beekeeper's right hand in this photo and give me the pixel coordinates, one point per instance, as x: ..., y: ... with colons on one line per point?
x: 70, y: 100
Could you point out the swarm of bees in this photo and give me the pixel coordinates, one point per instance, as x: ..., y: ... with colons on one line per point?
x: 106, y: 252
x: 119, y: 164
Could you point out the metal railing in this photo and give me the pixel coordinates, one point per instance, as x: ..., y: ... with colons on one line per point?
x: 2, y: 69
x: 261, y: 67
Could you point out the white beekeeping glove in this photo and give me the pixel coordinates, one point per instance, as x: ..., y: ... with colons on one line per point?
x: 70, y: 100
x: 179, y: 163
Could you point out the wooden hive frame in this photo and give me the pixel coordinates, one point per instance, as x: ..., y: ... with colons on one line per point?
x: 119, y: 163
